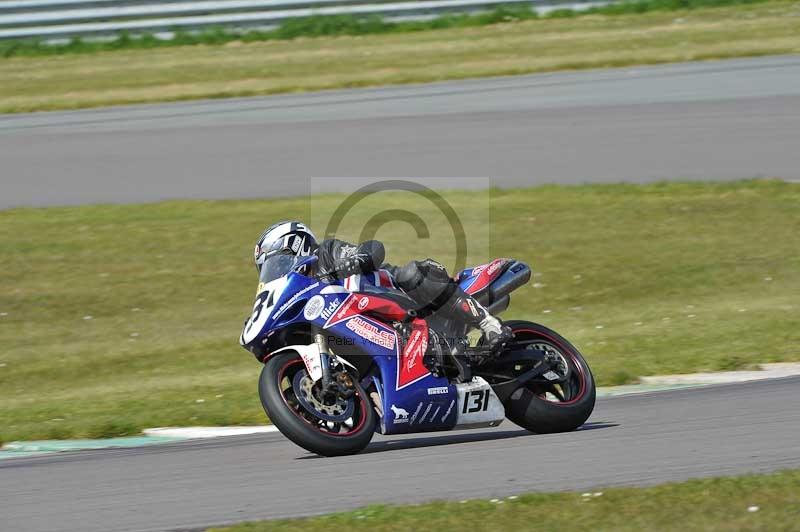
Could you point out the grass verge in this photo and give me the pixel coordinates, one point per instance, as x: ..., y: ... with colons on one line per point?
x: 118, y: 318
x: 373, y: 52
x: 756, y: 502
x: 322, y: 25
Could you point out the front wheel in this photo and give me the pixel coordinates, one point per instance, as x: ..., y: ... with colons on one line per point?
x: 558, y: 406
x: 292, y: 402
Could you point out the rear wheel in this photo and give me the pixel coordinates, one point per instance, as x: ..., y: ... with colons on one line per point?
x: 545, y: 406
x: 293, y: 403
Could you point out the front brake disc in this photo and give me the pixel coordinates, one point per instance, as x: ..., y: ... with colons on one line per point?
x: 306, y: 392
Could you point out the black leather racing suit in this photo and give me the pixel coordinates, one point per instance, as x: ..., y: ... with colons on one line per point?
x: 425, y: 281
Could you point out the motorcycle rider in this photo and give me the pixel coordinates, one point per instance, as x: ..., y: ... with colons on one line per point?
x: 425, y: 281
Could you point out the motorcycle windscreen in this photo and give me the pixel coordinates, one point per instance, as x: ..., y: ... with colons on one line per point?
x: 277, y: 266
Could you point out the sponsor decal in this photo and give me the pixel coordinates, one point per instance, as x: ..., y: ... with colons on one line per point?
x: 413, y: 349
x: 330, y: 309
x: 409, y: 364
x: 400, y: 415
x: 484, y: 274
x: 294, y: 299
x: 436, y: 412
x: 473, y: 309
x: 494, y: 266
x: 342, y: 313
x: 490, y: 267
x: 261, y: 288
x: 314, y: 307
x: 355, y: 304
x: 371, y: 332
x: 296, y: 243
x: 441, y: 390
x: 312, y: 362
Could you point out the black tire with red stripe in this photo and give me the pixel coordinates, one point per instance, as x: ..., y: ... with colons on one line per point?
x: 529, y: 406
x: 299, y: 424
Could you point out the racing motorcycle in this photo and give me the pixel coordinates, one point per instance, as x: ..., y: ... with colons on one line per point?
x: 340, y: 365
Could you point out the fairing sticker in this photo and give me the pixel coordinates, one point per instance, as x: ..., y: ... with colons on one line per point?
x: 371, y: 332
x: 358, y: 304
x: 410, y: 366
x: 482, y: 276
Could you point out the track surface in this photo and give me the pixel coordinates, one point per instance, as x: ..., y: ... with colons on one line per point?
x: 710, y: 120
x: 633, y: 440
x: 714, y: 120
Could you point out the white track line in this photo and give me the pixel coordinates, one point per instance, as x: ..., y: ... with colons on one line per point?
x: 767, y: 371
x: 209, y: 432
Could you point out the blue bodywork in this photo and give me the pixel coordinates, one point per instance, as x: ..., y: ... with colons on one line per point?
x: 426, y: 404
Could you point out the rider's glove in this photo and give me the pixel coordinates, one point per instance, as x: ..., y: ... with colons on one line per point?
x: 347, y: 266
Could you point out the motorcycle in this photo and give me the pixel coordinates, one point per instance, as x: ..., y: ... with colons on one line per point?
x: 340, y: 365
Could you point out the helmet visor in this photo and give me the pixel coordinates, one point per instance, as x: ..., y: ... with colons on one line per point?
x: 277, y: 266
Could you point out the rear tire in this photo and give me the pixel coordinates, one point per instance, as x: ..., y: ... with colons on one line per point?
x: 529, y: 406
x: 301, y: 425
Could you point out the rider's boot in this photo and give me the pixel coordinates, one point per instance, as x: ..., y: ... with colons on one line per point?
x: 467, y: 308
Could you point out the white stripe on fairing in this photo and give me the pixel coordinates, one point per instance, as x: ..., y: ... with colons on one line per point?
x: 334, y: 289
x: 353, y: 283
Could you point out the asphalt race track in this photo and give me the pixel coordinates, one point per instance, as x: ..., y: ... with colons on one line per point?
x: 632, y: 440
x: 708, y: 120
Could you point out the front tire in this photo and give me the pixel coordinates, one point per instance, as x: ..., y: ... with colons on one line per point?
x: 281, y: 379
x: 546, y: 408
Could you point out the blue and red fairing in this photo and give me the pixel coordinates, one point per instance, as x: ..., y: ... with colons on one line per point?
x: 473, y: 280
x: 411, y: 397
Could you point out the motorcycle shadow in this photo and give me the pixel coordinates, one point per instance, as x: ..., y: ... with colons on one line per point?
x: 450, y: 438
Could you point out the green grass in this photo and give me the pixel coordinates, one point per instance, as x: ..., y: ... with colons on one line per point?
x: 709, y: 505
x: 681, y: 277
x: 330, y: 53
x: 323, y: 26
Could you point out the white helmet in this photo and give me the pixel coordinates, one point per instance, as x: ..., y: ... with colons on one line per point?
x: 288, y: 237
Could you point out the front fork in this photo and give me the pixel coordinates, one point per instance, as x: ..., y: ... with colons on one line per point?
x: 334, y: 385
x: 324, y: 358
